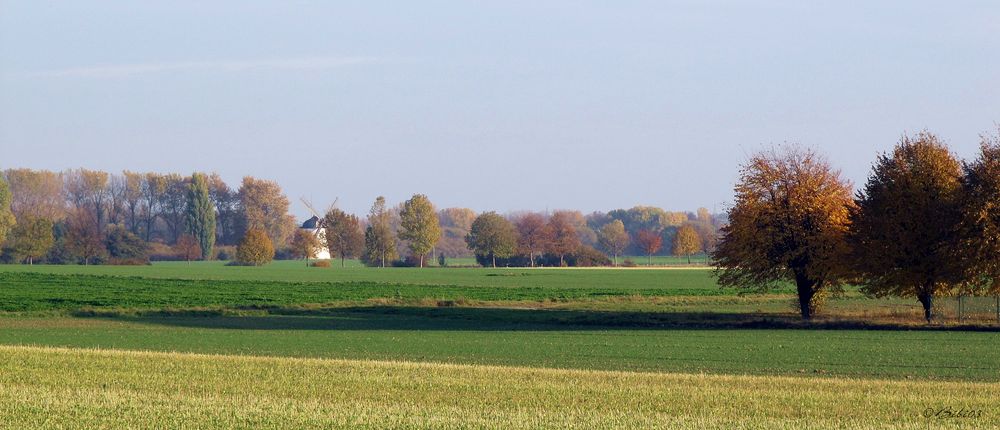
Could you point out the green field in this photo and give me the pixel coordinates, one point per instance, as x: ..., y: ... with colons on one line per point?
x: 295, y: 271
x: 432, y: 336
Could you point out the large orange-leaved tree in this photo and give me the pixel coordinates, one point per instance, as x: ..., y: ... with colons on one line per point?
x: 789, y: 223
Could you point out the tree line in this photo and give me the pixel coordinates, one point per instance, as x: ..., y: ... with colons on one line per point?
x: 924, y: 225
x: 84, y: 216
x: 406, y: 234
x: 93, y: 217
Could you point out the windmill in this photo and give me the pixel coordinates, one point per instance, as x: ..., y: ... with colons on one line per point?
x: 317, y: 224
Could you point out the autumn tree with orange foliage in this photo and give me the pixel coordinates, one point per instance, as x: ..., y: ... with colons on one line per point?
x: 533, y: 235
x: 649, y: 242
x: 789, y: 222
x: 304, y: 244
x: 562, y: 234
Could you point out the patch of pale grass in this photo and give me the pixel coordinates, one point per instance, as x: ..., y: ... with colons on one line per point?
x: 77, y: 388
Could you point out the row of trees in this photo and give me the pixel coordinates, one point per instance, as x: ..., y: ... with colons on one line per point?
x: 924, y: 225
x: 415, y: 229
x: 77, y: 216
x: 88, y: 216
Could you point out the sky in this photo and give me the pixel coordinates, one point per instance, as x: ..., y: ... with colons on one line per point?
x: 494, y: 105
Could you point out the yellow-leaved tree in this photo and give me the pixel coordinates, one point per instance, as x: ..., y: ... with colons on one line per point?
x: 687, y: 242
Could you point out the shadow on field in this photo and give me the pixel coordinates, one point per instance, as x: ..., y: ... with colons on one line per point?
x: 491, y: 319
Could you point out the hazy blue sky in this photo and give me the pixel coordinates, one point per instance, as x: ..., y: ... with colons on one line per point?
x: 498, y: 105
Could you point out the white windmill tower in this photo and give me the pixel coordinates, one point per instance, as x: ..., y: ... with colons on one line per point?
x: 317, y: 226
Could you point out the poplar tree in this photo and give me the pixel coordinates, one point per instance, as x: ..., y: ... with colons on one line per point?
x: 380, y: 243
x: 200, y: 215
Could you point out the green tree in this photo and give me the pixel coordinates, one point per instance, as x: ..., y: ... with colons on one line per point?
x: 199, y: 220
x: 613, y: 238
x: 344, y: 237
x: 492, y: 236
x: 256, y: 249
x: 31, y: 238
x: 7, y: 220
x: 981, y: 222
x: 380, y: 243
x: 906, y: 225
x: 687, y: 241
x: 419, y: 225
x: 789, y: 222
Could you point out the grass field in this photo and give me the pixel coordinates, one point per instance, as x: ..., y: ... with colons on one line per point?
x: 294, y: 346
x: 87, y: 388
x: 295, y: 271
x: 395, y: 334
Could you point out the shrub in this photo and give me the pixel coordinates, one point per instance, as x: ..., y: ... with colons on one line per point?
x: 587, y: 256
x: 629, y: 263
x: 256, y: 249
x: 513, y: 261
x: 320, y: 263
x: 128, y: 261
x: 225, y: 252
x: 409, y: 261
x: 125, y: 247
x: 159, y: 251
x: 285, y: 253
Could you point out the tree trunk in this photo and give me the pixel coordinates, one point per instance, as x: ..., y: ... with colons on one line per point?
x: 421, y: 261
x: 616, y: 259
x: 806, y: 291
x: 342, y: 264
x: 531, y: 255
x: 494, y: 260
x: 649, y: 259
x: 805, y: 301
x: 927, y: 299
x: 689, y: 259
x: 562, y: 262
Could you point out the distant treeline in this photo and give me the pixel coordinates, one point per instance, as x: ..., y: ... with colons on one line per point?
x: 86, y: 216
